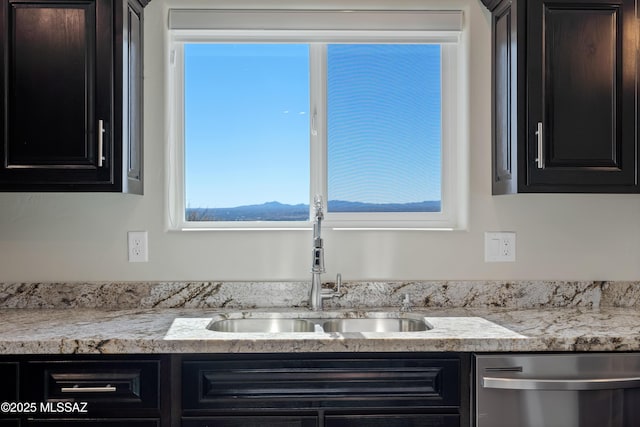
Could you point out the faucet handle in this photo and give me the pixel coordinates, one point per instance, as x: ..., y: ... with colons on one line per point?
x: 326, y: 293
x: 406, y: 303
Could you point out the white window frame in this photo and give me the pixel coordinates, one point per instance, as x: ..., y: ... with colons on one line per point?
x: 318, y: 28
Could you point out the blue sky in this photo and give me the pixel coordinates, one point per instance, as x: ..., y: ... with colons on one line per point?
x: 383, y: 123
x: 247, y: 123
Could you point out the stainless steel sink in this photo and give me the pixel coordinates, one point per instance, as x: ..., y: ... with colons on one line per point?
x: 375, y: 325
x: 328, y: 322
x: 263, y: 325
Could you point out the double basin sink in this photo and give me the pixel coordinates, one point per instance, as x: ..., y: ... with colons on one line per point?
x: 322, y: 322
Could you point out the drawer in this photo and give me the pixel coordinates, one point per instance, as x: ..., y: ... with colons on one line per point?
x: 114, y: 384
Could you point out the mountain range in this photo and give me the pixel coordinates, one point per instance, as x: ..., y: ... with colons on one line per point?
x: 276, y: 211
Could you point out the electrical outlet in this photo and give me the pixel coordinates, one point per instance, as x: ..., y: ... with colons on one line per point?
x: 138, y: 246
x: 499, y: 247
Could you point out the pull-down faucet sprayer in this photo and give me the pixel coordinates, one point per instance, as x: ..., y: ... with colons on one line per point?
x: 317, y: 261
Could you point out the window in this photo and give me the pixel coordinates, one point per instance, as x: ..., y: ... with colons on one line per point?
x: 246, y: 130
x: 383, y: 128
x: 270, y: 109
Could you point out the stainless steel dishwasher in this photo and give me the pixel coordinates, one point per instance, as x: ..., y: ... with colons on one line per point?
x: 557, y: 390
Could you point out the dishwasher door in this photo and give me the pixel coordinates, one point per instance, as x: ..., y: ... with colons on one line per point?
x: 557, y: 390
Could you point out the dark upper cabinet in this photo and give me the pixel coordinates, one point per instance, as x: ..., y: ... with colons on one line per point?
x: 564, y: 96
x: 72, y: 92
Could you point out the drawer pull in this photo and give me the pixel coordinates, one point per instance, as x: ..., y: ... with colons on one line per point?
x: 76, y: 389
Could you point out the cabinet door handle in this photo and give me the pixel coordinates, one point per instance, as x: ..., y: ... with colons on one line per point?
x: 540, y: 158
x: 100, y: 143
x: 75, y: 389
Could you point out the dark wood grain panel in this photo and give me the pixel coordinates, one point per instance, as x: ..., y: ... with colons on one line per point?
x: 50, y: 102
x: 304, y: 383
x: 252, y: 421
x: 398, y: 420
x: 581, y: 85
x: 583, y: 55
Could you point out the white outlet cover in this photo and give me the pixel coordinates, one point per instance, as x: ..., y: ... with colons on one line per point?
x: 500, y: 246
x: 137, y: 246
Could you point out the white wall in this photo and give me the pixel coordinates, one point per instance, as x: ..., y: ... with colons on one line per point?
x: 82, y: 237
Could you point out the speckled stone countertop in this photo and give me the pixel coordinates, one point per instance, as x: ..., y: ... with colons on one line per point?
x: 173, y: 318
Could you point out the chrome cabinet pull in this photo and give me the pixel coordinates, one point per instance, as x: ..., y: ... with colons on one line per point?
x: 561, y: 384
x: 100, y: 143
x: 540, y: 158
x: 76, y: 389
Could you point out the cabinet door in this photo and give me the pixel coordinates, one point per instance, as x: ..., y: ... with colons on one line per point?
x: 252, y: 421
x: 9, y: 392
x: 57, y: 74
x: 581, y: 74
x: 94, y: 423
x: 129, y: 96
x: 133, y: 107
x: 9, y: 388
x: 399, y: 420
x: 508, y: 95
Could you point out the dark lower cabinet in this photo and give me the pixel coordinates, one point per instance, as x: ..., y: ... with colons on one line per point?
x: 252, y: 421
x: 125, y: 422
x: 565, y: 97
x: 9, y: 375
x: 380, y: 420
x: 86, y: 390
x: 325, y: 390
x: 359, y: 420
x: 237, y: 390
x: 128, y: 386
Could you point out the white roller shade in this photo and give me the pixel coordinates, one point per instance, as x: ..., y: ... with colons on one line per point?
x: 315, y: 20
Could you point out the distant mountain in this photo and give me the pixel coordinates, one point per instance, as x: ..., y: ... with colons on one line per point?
x: 276, y: 211
x: 342, y: 206
x: 270, y: 211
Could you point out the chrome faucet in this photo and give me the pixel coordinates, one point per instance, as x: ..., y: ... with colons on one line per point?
x: 317, y: 261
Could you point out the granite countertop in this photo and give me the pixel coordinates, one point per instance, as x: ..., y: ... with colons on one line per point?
x: 86, y: 331
x: 172, y: 317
